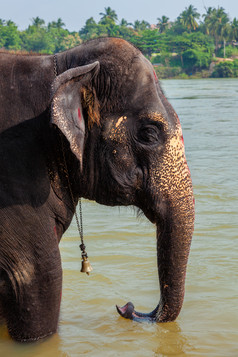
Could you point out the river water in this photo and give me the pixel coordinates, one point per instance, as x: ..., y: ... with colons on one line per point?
x: 121, y: 249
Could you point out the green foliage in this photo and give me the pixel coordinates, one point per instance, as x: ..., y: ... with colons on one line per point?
x: 48, y: 39
x: 90, y: 30
x: 184, y: 45
x: 188, y: 18
x: 235, y: 64
x: 163, y: 24
x: 192, y: 51
x: 147, y: 41
x: 230, y: 51
x: 217, y: 25
x: 234, y: 30
x: 9, y: 35
x: 163, y: 58
x: 226, y: 69
x: 168, y: 72
x: 109, y: 16
x: 195, y: 60
x: 141, y: 26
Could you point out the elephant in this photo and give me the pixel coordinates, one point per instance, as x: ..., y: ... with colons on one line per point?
x: 90, y: 122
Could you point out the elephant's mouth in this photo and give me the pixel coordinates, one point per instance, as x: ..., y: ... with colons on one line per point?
x: 151, y: 208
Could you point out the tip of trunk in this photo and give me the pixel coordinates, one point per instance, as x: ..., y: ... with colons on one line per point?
x: 128, y: 312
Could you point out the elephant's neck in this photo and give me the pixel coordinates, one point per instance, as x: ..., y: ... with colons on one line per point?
x: 63, y: 170
x: 69, y: 59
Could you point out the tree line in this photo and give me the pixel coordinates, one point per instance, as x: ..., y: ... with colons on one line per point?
x: 186, y: 45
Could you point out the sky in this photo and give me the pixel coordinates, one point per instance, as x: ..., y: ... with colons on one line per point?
x: 74, y: 13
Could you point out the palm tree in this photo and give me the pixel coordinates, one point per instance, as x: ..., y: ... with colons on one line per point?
x: 109, y: 14
x: 90, y: 29
x: 208, y: 18
x: 37, y: 22
x: 163, y: 24
x: 234, y: 30
x: 10, y: 23
x: 59, y: 24
x: 225, y: 30
x: 124, y: 23
x: 141, y: 25
x: 217, y: 25
x: 188, y: 18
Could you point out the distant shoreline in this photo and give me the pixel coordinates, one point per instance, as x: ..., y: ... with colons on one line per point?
x: 220, y: 68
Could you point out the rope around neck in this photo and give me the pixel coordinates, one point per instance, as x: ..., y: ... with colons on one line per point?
x: 79, y: 223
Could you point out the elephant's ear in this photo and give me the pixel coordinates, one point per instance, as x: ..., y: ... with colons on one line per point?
x: 69, y: 92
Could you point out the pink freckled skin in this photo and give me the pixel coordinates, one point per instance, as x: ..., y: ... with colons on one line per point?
x: 156, y: 79
x: 182, y: 139
x: 79, y: 115
x: 178, y: 121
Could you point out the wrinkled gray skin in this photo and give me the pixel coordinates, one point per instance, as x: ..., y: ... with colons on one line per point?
x: 122, y: 141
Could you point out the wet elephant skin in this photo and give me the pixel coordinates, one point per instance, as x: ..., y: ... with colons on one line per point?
x: 104, y: 125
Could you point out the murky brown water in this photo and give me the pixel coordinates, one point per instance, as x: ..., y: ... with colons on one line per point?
x: 122, y: 252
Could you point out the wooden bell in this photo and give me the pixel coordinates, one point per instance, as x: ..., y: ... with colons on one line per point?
x: 86, y: 266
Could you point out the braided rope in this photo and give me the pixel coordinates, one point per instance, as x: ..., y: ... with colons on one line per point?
x: 79, y: 223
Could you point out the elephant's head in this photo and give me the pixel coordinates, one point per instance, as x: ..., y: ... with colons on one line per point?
x: 129, y: 142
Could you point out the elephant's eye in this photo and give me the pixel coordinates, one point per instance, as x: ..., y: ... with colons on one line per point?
x: 150, y: 134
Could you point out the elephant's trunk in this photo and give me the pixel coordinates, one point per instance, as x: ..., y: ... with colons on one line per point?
x: 173, y: 245
x: 174, y: 209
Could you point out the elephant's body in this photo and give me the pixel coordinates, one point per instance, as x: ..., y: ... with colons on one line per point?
x: 31, y: 212
x: 107, y: 93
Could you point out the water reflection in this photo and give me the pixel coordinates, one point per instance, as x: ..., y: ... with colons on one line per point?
x: 171, y: 341
x: 47, y: 348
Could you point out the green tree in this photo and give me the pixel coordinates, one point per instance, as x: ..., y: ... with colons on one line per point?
x: 234, y: 30
x: 178, y: 44
x: 9, y: 35
x: 107, y: 24
x: 37, y: 22
x: 225, y: 30
x: 141, y: 25
x: 163, y: 24
x: 124, y: 23
x: 194, y: 49
x: 71, y: 40
x: 109, y: 14
x: 57, y: 34
x: 59, y: 24
x: 37, y: 41
x: 223, y: 70
x: 147, y: 41
x: 217, y: 25
x: 195, y: 60
x: 125, y: 30
x: 177, y: 28
x: 37, y: 38
x: 90, y: 29
x: 188, y: 18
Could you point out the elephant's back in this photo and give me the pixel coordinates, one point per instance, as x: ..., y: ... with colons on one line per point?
x: 25, y: 87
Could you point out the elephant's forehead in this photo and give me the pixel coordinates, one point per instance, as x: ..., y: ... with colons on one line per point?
x: 120, y: 120
x: 115, y: 129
